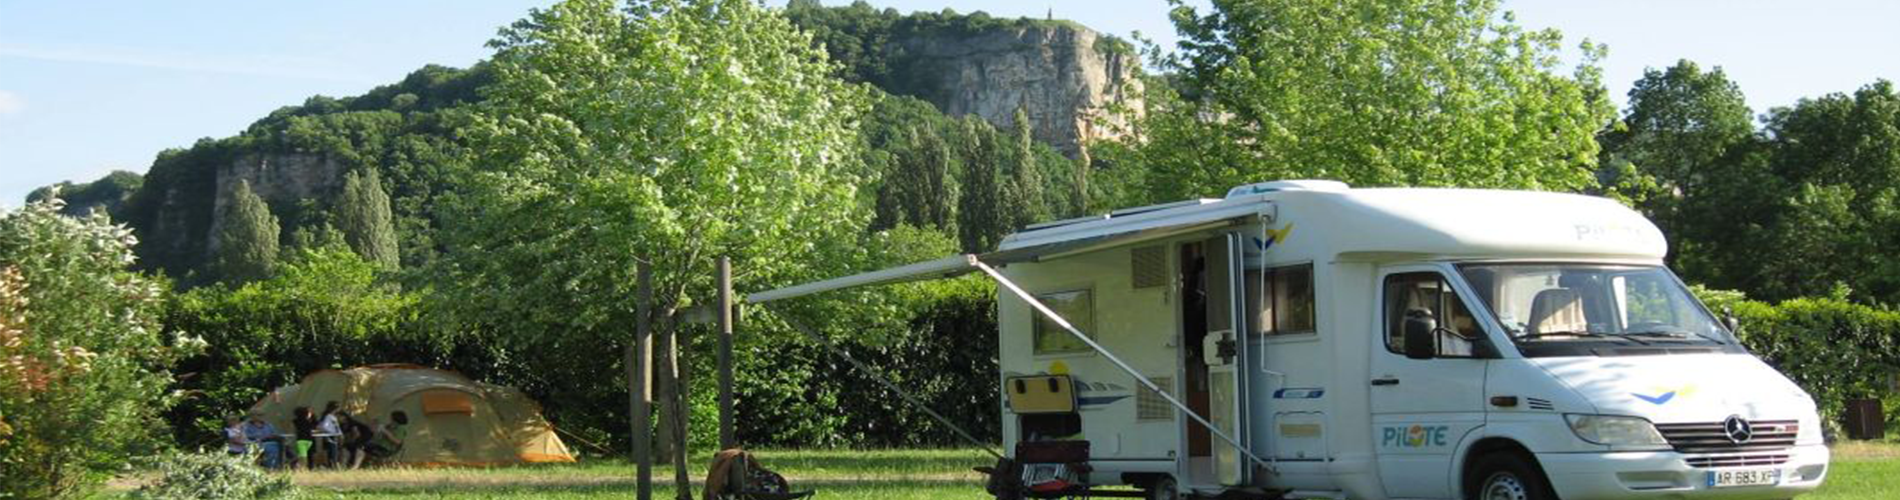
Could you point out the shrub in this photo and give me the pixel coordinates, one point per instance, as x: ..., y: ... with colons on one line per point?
x: 212, y: 476
x: 1834, y: 349
x: 81, y: 360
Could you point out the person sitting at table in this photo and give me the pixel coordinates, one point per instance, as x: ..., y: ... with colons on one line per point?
x: 356, y: 435
x: 306, y: 426
x: 330, y: 432
x: 387, y: 440
x: 263, y: 435
x: 234, y: 442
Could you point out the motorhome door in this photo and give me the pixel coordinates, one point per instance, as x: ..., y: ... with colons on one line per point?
x: 1222, y: 349
x: 1423, y: 408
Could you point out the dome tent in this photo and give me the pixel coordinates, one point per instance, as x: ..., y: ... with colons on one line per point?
x: 452, y: 420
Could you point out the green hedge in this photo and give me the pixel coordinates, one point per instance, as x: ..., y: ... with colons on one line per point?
x: 1835, y: 349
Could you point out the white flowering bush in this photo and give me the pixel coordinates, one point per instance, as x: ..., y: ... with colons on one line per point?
x: 82, y: 365
x: 212, y: 476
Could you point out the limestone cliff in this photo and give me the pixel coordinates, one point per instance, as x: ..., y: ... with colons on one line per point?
x: 1066, y: 77
x: 280, y: 179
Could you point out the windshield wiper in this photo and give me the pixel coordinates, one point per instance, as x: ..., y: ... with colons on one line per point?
x: 1674, y: 333
x: 1594, y: 335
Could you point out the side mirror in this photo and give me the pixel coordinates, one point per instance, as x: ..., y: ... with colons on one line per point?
x: 1421, y: 332
x: 1729, y: 320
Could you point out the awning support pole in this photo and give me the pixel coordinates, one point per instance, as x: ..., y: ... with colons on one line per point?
x: 879, y: 377
x: 1057, y: 319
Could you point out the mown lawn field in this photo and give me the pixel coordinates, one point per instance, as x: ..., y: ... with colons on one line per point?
x: 1860, y: 471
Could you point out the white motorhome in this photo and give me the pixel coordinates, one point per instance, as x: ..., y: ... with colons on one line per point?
x: 1311, y: 340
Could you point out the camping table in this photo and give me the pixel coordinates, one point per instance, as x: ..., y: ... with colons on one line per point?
x: 327, y: 443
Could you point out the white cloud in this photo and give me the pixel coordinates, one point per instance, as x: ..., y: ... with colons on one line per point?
x: 276, y: 67
x: 10, y: 103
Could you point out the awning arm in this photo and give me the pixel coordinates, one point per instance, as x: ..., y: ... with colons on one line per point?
x: 931, y: 269
x: 1051, y: 315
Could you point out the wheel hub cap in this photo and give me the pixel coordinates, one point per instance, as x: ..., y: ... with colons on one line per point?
x: 1504, y: 487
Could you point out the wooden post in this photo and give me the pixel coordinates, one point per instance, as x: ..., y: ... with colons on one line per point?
x: 727, y: 440
x: 676, y: 418
x: 639, y: 390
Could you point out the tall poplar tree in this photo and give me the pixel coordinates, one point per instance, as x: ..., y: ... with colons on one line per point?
x: 1023, y: 180
x: 981, y: 220
x: 247, y: 238
x: 364, y: 218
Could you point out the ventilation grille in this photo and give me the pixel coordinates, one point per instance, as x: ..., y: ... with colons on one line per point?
x: 1712, y: 437
x: 1150, y: 406
x: 1737, y: 460
x: 1538, y: 404
x: 1149, y: 266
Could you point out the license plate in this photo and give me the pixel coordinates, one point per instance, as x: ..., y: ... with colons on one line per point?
x: 1744, y: 477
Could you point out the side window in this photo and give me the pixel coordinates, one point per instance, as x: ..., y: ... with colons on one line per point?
x: 1076, y: 306
x: 1427, y: 293
x: 1285, y: 306
x: 1291, y: 307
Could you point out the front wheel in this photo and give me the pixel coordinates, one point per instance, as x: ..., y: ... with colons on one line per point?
x: 1506, y: 476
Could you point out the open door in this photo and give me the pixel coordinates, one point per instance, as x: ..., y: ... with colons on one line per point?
x: 1222, y: 350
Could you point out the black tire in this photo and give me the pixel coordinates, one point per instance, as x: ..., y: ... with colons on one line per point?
x: 1506, y: 476
x: 1163, y: 488
x: 1004, y: 483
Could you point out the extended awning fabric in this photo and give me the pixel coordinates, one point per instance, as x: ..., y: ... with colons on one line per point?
x: 957, y: 265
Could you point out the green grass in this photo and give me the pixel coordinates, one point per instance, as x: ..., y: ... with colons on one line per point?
x: 840, y: 474
x: 1859, y: 471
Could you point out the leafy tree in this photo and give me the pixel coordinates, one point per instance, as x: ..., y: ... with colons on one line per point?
x: 80, y: 355
x: 1682, y: 121
x: 1371, y: 92
x: 1686, y: 153
x: 662, y: 132
x: 1839, y: 185
x: 247, y: 237
x: 363, y: 217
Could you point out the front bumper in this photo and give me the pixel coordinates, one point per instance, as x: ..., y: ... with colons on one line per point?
x: 1668, y: 475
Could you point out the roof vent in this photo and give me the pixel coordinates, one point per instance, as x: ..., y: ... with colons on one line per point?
x: 1300, y: 185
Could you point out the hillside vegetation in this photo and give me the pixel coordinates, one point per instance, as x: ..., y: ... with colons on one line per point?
x: 491, y: 219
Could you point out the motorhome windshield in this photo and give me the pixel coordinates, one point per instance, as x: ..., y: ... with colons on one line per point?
x: 1593, y: 306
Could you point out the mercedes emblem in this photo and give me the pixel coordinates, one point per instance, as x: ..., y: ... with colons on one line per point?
x: 1738, y: 429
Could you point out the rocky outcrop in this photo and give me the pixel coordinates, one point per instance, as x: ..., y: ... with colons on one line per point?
x: 277, y: 178
x: 1066, y: 77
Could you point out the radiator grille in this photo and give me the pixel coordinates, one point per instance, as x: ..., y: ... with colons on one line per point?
x: 1709, y: 437
x: 1149, y: 406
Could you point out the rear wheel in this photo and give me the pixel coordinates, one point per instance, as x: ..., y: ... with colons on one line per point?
x: 1506, y: 476
x: 1163, y: 489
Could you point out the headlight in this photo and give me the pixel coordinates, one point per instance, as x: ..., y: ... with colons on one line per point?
x: 1616, y: 431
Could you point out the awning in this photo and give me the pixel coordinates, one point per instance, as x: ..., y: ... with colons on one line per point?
x: 1044, y: 243
x: 1045, y: 247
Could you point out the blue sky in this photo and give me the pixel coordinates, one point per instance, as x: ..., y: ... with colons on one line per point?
x: 87, y: 86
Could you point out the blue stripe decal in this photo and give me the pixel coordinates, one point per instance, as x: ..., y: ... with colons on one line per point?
x: 1299, y: 393
x: 1099, y: 400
